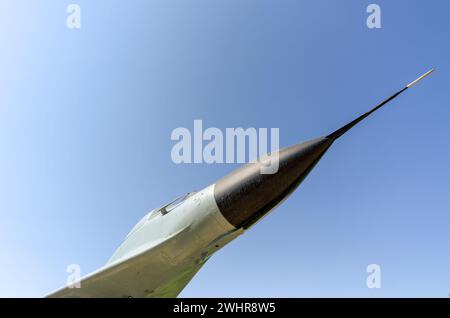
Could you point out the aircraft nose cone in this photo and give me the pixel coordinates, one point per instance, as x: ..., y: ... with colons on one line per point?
x: 246, y: 195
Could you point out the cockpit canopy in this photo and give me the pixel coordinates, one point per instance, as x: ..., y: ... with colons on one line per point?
x: 161, y: 211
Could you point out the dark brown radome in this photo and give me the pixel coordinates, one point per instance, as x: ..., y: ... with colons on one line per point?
x: 246, y: 195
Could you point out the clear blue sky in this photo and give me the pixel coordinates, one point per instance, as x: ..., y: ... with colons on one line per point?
x: 86, y: 117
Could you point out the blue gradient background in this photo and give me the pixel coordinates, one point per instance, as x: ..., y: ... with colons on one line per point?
x: 86, y: 117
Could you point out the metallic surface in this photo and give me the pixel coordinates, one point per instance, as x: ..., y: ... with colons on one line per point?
x: 168, y: 246
x: 163, y: 255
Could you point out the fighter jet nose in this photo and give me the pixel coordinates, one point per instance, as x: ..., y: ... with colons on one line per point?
x: 246, y: 195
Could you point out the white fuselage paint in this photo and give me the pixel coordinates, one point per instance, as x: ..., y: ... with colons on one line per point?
x: 191, y: 226
x: 178, y: 243
x: 161, y: 255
